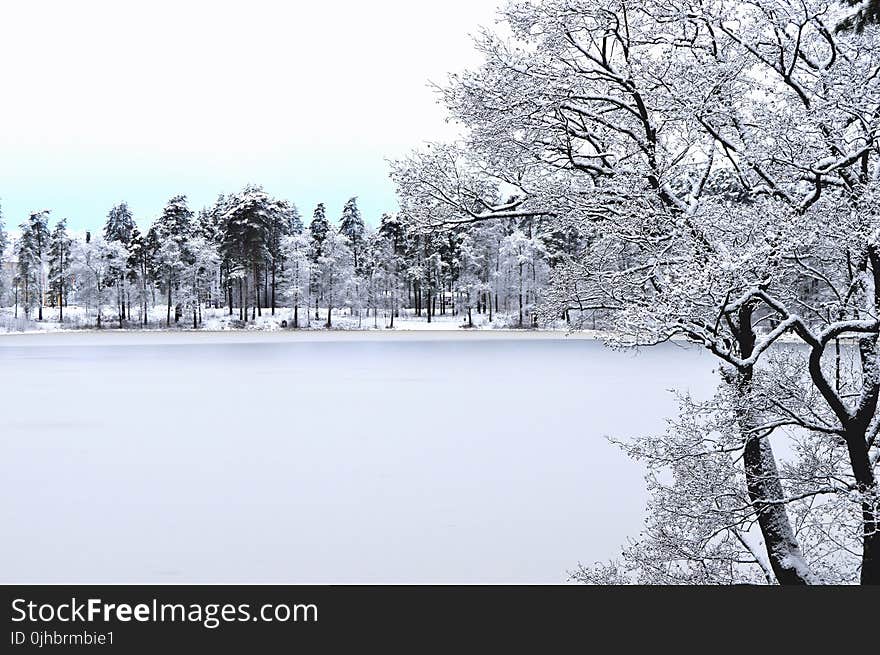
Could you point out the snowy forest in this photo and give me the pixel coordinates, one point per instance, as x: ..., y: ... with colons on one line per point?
x: 720, y: 163
x: 251, y: 253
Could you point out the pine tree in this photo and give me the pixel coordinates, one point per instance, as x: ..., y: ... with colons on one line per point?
x: 226, y: 263
x: 140, y: 268
x: 391, y: 249
x: 205, y: 226
x: 294, y: 221
x: 119, y: 227
x: 32, y: 249
x: 281, y: 219
x: 319, y: 228
x: 171, y: 232
x: 120, y: 224
x: 176, y: 221
x: 390, y: 228
x: 335, y: 272
x: 59, y: 264
x: 247, y: 219
x: 352, y: 227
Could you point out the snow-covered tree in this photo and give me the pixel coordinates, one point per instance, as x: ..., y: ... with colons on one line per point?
x: 120, y: 224
x: 351, y: 225
x: 252, y: 227
x: 120, y: 227
x: 60, y: 274
x: 523, y: 256
x: 297, y: 271
x: 201, y: 260
x: 140, y: 270
x: 319, y: 229
x: 169, y: 235
x: 94, y: 264
x: 468, y: 283
x: 32, y: 251
x: 718, y: 161
x: 389, y: 251
x: 336, y: 273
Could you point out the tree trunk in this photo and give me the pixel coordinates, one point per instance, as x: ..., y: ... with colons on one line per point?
x: 520, y: 295
x: 867, y: 486
x: 144, y: 290
x: 762, y: 477
x: 257, y: 309
x: 856, y: 433
x: 241, y: 316
x: 98, y: 303
x: 168, y: 313
x: 61, y: 286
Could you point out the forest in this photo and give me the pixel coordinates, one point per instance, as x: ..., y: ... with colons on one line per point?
x: 251, y: 253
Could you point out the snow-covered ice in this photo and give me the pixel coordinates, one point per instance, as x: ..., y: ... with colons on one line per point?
x: 323, y: 457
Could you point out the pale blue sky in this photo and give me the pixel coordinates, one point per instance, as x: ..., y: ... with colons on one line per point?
x: 108, y: 101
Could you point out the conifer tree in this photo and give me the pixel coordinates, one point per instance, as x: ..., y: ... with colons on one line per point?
x: 319, y: 228
x: 140, y: 268
x: 32, y: 250
x: 59, y: 265
x: 120, y: 224
x: 118, y: 229
x: 170, y: 233
x: 352, y: 227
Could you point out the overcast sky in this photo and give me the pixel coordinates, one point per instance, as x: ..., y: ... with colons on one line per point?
x: 104, y: 101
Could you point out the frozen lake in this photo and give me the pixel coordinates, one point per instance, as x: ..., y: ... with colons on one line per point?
x: 323, y: 457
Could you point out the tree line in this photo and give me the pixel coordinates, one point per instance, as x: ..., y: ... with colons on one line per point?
x: 251, y: 253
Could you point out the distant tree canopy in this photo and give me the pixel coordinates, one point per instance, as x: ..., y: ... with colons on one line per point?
x: 864, y: 13
x: 250, y: 253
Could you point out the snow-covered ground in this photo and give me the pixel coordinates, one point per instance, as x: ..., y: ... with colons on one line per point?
x: 80, y: 318
x: 323, y: 457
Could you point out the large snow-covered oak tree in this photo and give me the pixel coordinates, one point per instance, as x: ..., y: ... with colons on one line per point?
x: 722, y: 160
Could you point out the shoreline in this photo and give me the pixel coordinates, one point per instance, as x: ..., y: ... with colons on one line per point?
x: 125, y: 336
x: 146, y: 337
